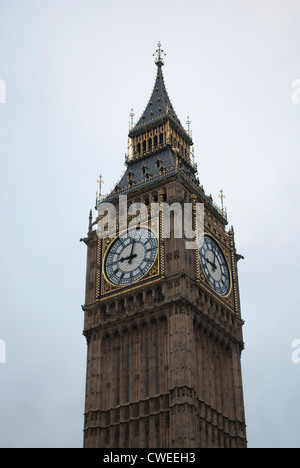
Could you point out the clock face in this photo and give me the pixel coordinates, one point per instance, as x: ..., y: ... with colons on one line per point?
x: 214, y: 265
x: 130, y: 257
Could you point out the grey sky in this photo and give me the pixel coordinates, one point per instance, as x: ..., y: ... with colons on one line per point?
x: 73, y: 70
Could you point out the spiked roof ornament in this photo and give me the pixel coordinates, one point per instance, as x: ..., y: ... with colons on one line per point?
x: 159, y: 53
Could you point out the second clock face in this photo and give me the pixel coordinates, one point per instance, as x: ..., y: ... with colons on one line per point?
x: 130, y: 257
x: 214, y: 265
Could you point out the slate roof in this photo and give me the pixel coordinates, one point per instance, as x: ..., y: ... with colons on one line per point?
x: 159, y: 108
x: 152, y: 169
x: 156, y: 168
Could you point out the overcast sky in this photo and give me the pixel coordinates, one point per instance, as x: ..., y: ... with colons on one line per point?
x: 73, y: 69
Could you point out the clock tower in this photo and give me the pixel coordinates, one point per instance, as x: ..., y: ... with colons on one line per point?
x: 162, y: 321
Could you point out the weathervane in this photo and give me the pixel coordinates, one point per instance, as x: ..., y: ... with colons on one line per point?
x: 159, y: 53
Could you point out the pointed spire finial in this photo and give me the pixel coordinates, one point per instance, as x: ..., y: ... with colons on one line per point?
x: 90, y: 220
x: 222, y: 196
x: 159, y: 53
x: 128, y: 149
x: 131, y: 119
x: 188, y: 124
x: 100, y: 182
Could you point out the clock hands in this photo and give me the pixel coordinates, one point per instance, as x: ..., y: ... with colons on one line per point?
x: 213, y: 264
x: 214, y: 252
x: 131, y: 256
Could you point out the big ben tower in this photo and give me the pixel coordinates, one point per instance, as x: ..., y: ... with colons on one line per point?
x: 162, y: 321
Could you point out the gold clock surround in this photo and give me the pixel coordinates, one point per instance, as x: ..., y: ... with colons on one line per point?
x: 228, y: 298
x: 156, y: 272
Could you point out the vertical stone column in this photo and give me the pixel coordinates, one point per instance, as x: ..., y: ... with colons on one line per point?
x: 181, y: 380
x: 238, y: 390
x: 235, y: 282
x: 224, y: 384
x: 217, y: 369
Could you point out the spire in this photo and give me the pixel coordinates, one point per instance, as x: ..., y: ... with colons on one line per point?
x: 131, y: 119
x: 222, y: 196
x: 188, y: 124
x: 90, y: 221
x: 159, y: 108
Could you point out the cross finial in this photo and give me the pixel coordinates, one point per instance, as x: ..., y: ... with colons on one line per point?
x: 159, y: 53
x: 222, y: 196
x: 188, y: 124
x: 100, y: 182
x: 131, y: 118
